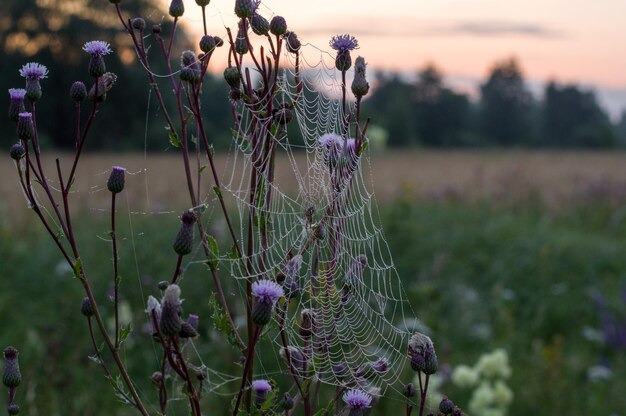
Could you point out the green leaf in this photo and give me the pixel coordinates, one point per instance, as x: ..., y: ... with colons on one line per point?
x: 220, y: 320
x: 202, y: 168
x: 364, y: 146
x: 125, y: 332
x: 217, y: 191
x: 215, y: 251
x: 174, y: 140
x: 78, y: 268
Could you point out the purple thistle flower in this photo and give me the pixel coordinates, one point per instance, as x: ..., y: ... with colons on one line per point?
x: 33, y: 70
x: 17, y: 102
x: 267, y: 291
x: 261, y: 386
x: 17, y: 93
x: 97, y: 47
x: 357, y: 399
x: 344, y: 43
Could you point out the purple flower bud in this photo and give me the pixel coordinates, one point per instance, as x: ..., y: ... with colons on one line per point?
x: 11, y: 376
x: 357, y: 399
x: 17, y: 102
x: 293, y: 43
x: 17, y: 151
x: 78, y: 91
x: 360, y: 86
x: 171, y: 323
x: 25, y: 127
x: 308, y: 321
x: 203, y: 3
x: 13, y: 409
x: 138, y: 23
x: 446, y: 406
x: 190, y: 67
x: 33, y: 73
x: 259, y: 24
x: 163, y: 284
x: 422, y: 354
x: 115, y: 184
x: 86, y: 308
x: 187, y: 330
x: 380, y: 366
x: 261, y: 388
x: 207, y: 43
x: 278, y: 26
x: 246, y: 8
x: 219, y: 42
x: 183, y: 243
x: 232, y: 77
x: 409, y: 390
x: 156, y: 29
x: 241, y: 43
x: 177, y: 8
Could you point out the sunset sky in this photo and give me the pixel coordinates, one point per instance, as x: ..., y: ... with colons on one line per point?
x: 569, y: 41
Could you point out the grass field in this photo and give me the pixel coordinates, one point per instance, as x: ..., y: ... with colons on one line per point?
x: 515, y: 250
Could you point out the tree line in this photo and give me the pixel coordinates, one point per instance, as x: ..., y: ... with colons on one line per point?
x: 427, y: 112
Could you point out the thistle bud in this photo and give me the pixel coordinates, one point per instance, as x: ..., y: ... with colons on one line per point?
x: 33, y: 89
x: 422, y: 354
x: 13, y: 409
x: 157, y: 378
x: 203, y: 3
x: 380, y: 366
x: 177, y: 8
x: 291, y: 288
x: 360, y: 86
x: 306, y: 325
x: 259, y: 24
x: 115, y: 184
x: 25, y: 127
x: 207, y: 43
x: 241, y: 43
x: 156, y: 29
x: 261, y: 388
x: 409, y: 390
x: 17, y: 103
x: 33, y: 72
x: 267, y: 294
x: 245, y: 8
x: 287, y: 402
x: 86, y: 308
x: 11, y: 376
x: 187, y: 331
x: 183, y: 243
x: 163, y: 284
x: 278, y: 26
x: 190, y: 67
x: 97, y: 67
x: 78, y: 91
x: 17, y: 151
x: 171, y: 323
x: 232, y: 77
x: 293, y: 43
x: 320, y: 233
x: 219, y: 42
x: 138, y: 23
x: 343, y: 61
x: 446, y: 406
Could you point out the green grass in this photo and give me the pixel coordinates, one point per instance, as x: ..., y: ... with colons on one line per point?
x: 478, y: 276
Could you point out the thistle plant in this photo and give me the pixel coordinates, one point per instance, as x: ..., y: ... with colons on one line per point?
x: 304, y: 292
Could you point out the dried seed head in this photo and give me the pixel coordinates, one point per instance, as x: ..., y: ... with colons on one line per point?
x: 278, y: 26
x: 11, y: 376
x: 115, y: 184
x: 105, y: 83
x: 86, y: 308
x: 360, y: 86
x: 171, y: 323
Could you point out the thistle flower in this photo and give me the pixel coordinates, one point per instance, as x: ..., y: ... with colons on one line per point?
x: 97, y: 49
x: 246, y: 8
x: 360, y: 86
x: 11, y: 376
x: 343, y: 44
x: 17, y: 151
x: 278, y: 26
x: 33, y: 72
x: 17, y: 102
x: 357, y: 401
x: 25, y: 127
x: 183, y: 243
x: 177, y: 8
x: 261, y: 388
x: 267, y: 294
x: 170, y: 322
x: 259, y: 24
x: 86, y: 308
x: 293, y: 43
x: 78, y: 91
x: 422, y: 354
x: 115, y: 183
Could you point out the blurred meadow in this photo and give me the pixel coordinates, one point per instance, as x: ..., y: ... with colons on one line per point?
x: 501, y: 190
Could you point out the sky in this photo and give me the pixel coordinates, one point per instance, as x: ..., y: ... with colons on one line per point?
x: 573, y: 41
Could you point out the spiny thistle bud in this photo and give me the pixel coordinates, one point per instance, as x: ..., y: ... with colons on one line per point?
x: 246, y: 8
x: 283, y: 115
x: 306, y: 326
x: 360, y: 86
x: 17, y: 151
x: 25, y: 127
x: 183, y: 243
x: 409, y: 390
x: 343, y: 61
x: 156, y: 29
x: 297, y: 357
x: 177, y: 8
x: 380, y: 366
x: 457, y: 411
x: 33, y: 73
x: 203, y: 3
x: 163, y: 284
x: 343, y: 44
x: 267, y: 294
x: 232, y: 77
x: 207, y: 43
x: 187, y: 331
x: 357, y: 401
x: 97, y: 49
x: 219, y: 42
x: 157, y: 378
x: 190, y: 67
x: 138, y: 23
x: 171, y: 323
x: 105, y: 83
x: 293, y: 43
x: 287, y: 402
x: 13, y: 409
x: 278, y: 26
x: 446, y: 406
x: 17, y: 102
x: 11, y: 376
x: 78, y: 91
x: 115, y: 184
x: 241, y: 43
x: 259, y: 24
x: 261, y: 388
x: 86, y: 308
x: 422, y: 354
